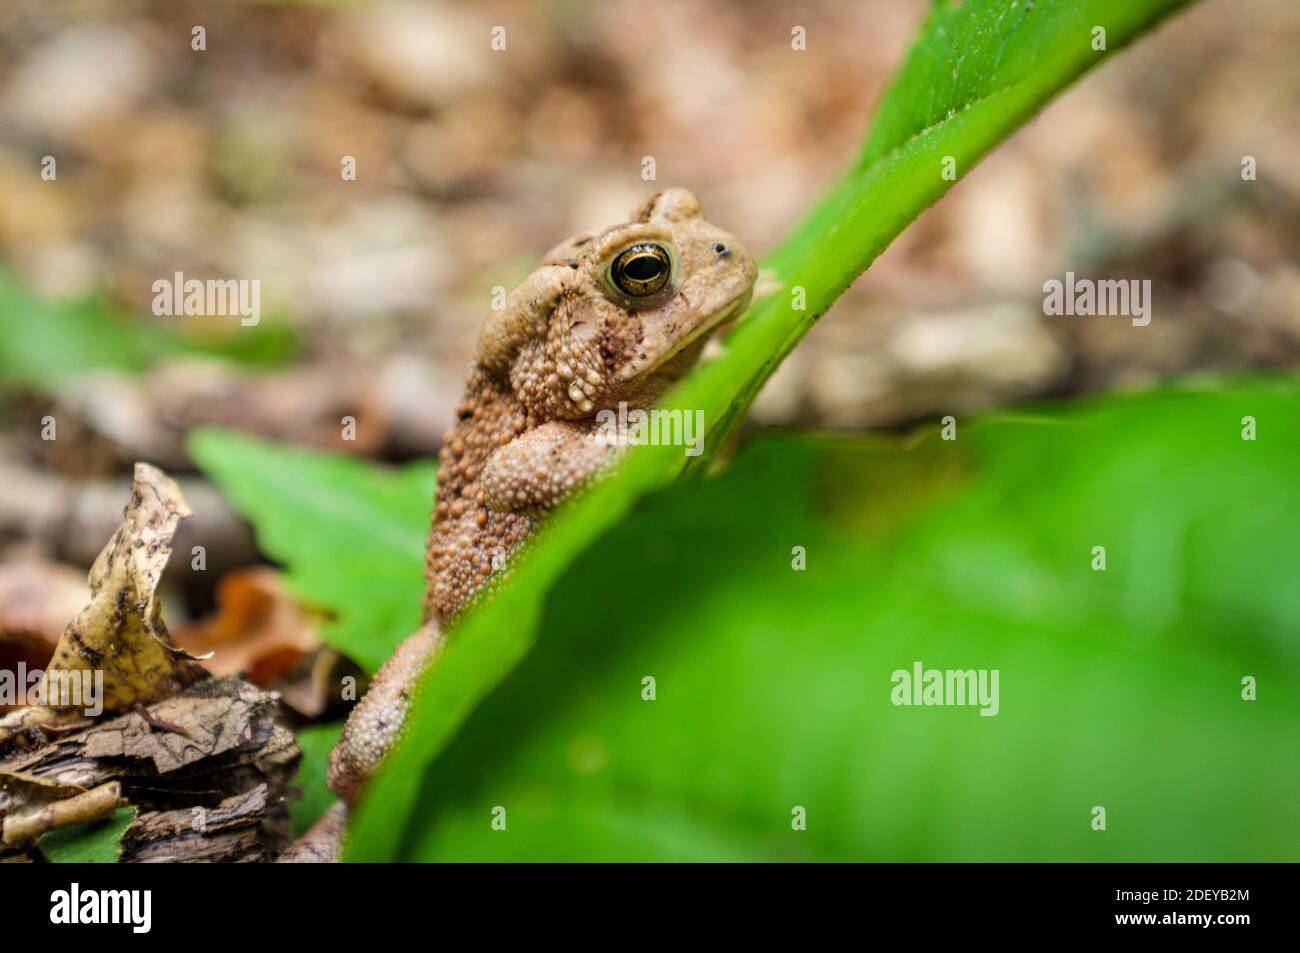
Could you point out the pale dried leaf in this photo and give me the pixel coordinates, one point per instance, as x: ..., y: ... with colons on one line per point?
x: 120, y: 631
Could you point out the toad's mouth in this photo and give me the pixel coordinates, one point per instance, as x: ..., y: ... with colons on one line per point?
x: 720, y: 317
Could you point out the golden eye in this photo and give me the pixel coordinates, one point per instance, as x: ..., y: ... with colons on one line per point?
x: 641, y: 270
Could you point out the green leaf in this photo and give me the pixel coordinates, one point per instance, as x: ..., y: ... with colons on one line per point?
x: 43, y: 344
x: 350, y: 535
x: 976, y: 73
x: 1001, y: 82
x: 316, y: 743
x: 965, y: 57
x: 1120, y: 688
x: 97, y: 842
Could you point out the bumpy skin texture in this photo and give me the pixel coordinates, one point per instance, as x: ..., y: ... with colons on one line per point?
x: 366, y: 738
x: 568, y: 344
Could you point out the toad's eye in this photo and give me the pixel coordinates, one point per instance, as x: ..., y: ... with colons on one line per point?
x: 641, y: 270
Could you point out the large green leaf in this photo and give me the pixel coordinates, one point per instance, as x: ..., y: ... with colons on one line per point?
x: 1119, y: 688
x: 976, y: 73
x: 351, y: 535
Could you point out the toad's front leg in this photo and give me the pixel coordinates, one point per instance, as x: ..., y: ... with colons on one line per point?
x: 542, y: 466
x: 533, y: 472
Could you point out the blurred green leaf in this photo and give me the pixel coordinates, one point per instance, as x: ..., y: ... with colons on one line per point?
x: 270, y: 343
x: 1119, y: 688
x: 1021, y: 53
x: 351, y: 535
x: 98, y: 842
x: 316, y: 743
x: 43, y: 344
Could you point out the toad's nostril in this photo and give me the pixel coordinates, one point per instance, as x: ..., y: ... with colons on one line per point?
x: 722, y: 250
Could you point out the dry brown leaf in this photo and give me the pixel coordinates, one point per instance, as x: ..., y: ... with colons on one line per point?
x: 29, y: 824
x: 259, y: 629
x: 30, y: 805
x: 20, y: 788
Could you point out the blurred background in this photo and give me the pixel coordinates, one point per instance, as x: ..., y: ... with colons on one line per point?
x: 225, y: 163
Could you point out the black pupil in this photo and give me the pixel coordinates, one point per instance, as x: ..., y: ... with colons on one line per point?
x: 643, y: 267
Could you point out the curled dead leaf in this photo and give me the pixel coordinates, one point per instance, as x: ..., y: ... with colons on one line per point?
x: 41, y: 815
x: 116, y: 654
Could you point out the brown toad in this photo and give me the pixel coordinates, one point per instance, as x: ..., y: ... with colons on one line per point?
x: 618, y: 316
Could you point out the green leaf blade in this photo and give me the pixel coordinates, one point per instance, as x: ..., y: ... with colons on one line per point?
x: 773, y: 686
x: 316, y: 743
x: 97, y: 842
x: 351, y: 535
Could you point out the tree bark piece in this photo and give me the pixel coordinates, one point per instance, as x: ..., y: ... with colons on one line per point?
x: 217, y: 791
